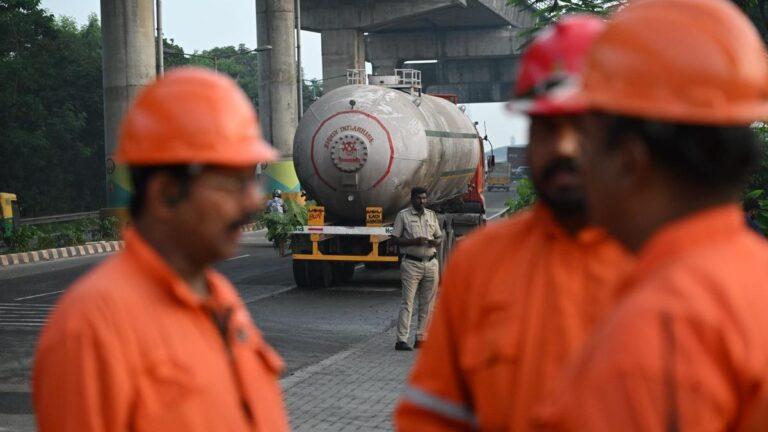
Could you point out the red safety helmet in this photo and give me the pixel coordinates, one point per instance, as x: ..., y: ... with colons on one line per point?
x: 552, y: 64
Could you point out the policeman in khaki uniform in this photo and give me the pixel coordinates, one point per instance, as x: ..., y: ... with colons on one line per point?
x: 418, y: 234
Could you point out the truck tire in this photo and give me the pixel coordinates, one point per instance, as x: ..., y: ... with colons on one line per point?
x: 473, y: 207
x: 320, y: 274
x: 301, y: 273
x: 343, y: 272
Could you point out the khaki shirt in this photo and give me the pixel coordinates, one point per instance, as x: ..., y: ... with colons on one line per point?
x: 410, y: 224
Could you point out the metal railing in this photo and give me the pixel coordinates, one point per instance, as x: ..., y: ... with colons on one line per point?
x: 59, y: 218
x: 356, y: 76
x: 409, y: 77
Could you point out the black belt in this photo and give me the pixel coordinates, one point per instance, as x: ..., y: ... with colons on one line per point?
x: 415, y: 258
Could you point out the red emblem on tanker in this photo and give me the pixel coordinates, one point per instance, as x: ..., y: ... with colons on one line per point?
x: 349, y: 152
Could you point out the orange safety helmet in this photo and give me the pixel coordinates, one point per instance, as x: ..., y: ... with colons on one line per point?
x: 550, y: 65
x: 192, y: 116
x: 688, y: 61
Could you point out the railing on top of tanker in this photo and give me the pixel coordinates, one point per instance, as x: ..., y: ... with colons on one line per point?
x: 356, y: 76
x: 409, y: 77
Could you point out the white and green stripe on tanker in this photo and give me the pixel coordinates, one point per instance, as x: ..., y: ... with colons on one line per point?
x: 461, y: 135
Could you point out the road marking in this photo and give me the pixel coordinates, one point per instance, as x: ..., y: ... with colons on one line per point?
x: 359, y: 266
x: 497, y: 214
x: 265, y: 296
x: 38, y: 295
x: 238, y: 257
x: 354, y: 289
x: 26, y: 306
x: 24, y: 314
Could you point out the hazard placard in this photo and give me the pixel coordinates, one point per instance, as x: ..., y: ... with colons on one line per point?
x: 316, y: 216
x: 373, y: 216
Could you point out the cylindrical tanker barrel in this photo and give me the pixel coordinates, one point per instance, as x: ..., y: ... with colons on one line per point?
x: 366, y: 146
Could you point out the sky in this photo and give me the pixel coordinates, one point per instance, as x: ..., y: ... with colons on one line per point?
x: 203, y: 24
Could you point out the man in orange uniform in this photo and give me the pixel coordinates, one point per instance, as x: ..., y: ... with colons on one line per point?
x: 675, y: 85
x: 521, y: 295
x: 154, y: 339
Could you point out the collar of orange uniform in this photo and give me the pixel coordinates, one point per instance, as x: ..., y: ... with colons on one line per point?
x: 138, y: 249
x: 586, y: 236
x: 689, y: 233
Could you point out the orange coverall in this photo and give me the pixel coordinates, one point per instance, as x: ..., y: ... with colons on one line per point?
x: 517, y: 300
x: 687, y: 350
x: 131, y: 348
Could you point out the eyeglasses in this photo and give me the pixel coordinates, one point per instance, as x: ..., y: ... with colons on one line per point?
x: 230, y: 181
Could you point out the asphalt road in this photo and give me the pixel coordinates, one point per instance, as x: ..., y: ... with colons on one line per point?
x: 305, y: 326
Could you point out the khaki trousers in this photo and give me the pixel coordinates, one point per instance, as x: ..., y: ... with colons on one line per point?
x: 418, y: 278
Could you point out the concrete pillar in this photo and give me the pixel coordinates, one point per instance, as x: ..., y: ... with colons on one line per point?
x: 278, y: 111
x: 342, y: 50
x: 128, y: 60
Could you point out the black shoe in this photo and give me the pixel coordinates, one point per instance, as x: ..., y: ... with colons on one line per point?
x: 402, y: 346
x: 418, y: 344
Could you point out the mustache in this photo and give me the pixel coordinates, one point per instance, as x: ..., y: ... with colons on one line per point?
x: 246, y: 218
x: 563, y: 164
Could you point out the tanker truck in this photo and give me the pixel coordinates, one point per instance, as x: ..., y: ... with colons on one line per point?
x: 359, y: 150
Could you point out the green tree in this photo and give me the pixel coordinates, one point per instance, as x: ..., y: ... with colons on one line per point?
x: 548, y: 11
x: 760, y: 179
x: 173, y: 55
x: 312, y: 90
x: 50, y: 110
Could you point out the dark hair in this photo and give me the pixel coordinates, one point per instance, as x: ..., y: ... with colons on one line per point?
x: 140, y: 176
x: 750, y: 204
x: 417, y: 190
x: 714, y: 158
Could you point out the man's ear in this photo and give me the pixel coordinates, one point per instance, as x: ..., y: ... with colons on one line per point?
x: 634, y: 162
x: 163, y: 194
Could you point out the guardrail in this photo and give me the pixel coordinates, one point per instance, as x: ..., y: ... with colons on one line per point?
x: 58, y: 218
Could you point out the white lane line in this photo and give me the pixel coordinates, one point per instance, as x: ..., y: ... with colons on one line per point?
x: 497, y: 214
x: 266, y: 296
x: 238, y: 257
x: 38, y: 295
x: 22, y: 313
x: 25, y: 306
x: 354, y: 289
x: 22, y: 324
x: 359, y: 266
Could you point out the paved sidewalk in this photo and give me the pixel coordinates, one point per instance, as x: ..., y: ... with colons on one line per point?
x: 355, y: 390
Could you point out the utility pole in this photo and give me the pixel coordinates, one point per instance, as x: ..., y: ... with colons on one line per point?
x: 159, y: 49
x: 299, y: 75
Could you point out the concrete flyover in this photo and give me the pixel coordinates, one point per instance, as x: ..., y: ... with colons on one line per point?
x: 475, y: 42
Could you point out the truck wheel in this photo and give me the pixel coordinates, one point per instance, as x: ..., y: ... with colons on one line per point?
x: 301, y: 273
x: 343, y: 272
x: 320, y: 274
x: 473, y: 207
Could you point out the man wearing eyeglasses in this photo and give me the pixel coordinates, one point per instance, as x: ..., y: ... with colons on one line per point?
x: 154, y: 339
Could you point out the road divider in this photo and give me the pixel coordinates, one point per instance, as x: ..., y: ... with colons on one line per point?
x: 94, y: 248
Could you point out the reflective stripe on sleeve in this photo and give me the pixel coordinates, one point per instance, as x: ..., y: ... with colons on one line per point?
x: 440, y: 406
